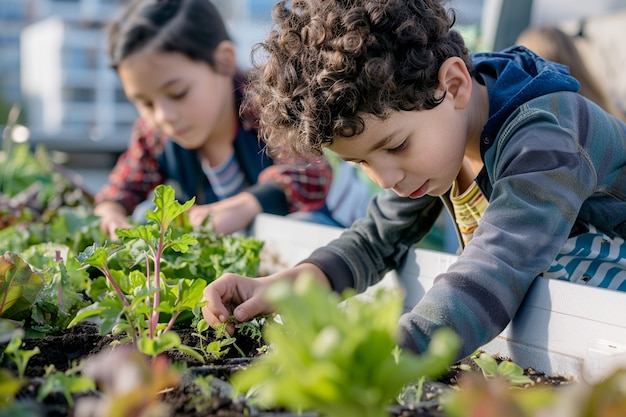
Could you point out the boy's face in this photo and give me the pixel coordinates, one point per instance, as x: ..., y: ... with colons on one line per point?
x: 411, y: 152
x: 182, y: 98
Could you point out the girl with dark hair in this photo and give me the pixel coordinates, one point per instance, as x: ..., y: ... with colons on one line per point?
x: 177, y: 65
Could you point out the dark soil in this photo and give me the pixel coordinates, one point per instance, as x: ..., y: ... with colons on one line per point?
x: 187, y: 400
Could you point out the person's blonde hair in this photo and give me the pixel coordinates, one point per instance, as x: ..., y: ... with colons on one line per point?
x: 552, y: 44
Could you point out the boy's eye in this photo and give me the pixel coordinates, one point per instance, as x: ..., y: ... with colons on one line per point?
x: 398, y: 148
x: 179, y: 95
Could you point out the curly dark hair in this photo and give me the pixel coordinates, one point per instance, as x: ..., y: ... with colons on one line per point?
x: 328, y: 62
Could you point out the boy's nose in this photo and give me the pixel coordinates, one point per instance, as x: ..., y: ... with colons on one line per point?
x: 384, y: 178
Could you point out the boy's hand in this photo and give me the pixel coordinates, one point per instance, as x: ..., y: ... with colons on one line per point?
x: 235, y: 295
x: 243, y: 297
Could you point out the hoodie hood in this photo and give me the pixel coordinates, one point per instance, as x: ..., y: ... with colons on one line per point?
x: 514, y: 76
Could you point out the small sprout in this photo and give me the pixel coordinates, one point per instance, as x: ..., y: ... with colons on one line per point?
x: 508, y: 370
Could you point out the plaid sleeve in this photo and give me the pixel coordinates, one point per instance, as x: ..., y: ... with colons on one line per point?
x: 136, y: 172
x: 305, y: 183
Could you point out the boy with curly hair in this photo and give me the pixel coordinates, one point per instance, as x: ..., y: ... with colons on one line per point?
x: 533, y: 173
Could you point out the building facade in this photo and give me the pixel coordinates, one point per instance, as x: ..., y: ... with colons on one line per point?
x: 14, y: 16
x: 71, y: 97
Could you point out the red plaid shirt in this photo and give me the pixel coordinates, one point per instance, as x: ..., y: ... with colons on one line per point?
x: 137, y: 172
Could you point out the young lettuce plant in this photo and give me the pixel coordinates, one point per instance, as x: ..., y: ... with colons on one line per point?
x: 19, y: 287
x: 338, y: 359
x: 145, y: 298
x: 11, y: 335
x: 508, y: 370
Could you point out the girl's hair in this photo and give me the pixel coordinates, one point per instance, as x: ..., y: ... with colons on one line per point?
x: 553, y: 44
x: 192, y: 27
x: 327, y: 63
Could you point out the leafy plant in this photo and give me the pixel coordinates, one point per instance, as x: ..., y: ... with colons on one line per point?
x: 220, y: 346
x: 144, y: 298
x: 9, y: 387
x: 65, y: 287
x: 17, y: 355
x: 66, y: 383
x: 9, y: 383
x: 32, y: 187
x: 340, y: 359
x: 508, y: 370
x: 19, y: 287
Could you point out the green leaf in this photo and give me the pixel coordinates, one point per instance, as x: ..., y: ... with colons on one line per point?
x: 513, y: 373
x: 338, y: 356
x: 148, y: 233
x: 159, y: 344
x: 97, y: 256
x: 167, y: 208
x: 183, y: 243
x: 64, y: 384
x: 488, y: 364
x: 19, y: 287
x: 9, y: 387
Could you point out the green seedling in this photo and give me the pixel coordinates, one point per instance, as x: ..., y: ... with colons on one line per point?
x: 67, y: 383
x: 508, y: 370
x: 20, y: 357
x: 339, y: 359
x: 219, y: 347
x: 9, y: 383
x: 145, y: 297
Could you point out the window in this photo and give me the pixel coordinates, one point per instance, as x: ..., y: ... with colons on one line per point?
x: 80, y: 58
x: 12, y: 10
x: 79, y: 94
x: 120, y: 96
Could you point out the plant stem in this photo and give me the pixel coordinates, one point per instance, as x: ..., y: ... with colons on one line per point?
x: 117, y: 288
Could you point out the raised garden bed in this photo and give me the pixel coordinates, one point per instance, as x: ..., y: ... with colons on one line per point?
x: 561, y: 329
x: 79, y: 310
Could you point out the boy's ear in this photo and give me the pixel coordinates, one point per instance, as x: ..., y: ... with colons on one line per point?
x: 225, y: 58
x: 456, y: 80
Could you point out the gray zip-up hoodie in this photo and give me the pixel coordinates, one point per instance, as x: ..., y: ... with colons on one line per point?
x: 553, y: 161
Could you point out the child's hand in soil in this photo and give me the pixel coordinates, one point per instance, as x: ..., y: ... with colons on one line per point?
x: 243, y: 297
x: 236, y: 295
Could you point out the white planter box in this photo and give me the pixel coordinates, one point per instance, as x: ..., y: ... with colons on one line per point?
x: 560, y: 329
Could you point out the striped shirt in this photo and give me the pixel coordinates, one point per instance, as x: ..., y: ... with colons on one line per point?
x: 227, y: 179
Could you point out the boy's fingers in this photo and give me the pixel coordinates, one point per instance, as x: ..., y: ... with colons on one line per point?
x: 251, y: 308
x: 214, y: 311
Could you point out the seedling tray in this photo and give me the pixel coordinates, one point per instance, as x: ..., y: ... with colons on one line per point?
x: 561, y: 328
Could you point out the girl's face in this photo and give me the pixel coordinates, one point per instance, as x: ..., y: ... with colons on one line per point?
x: 184, y: 99
x: 411, y: 152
